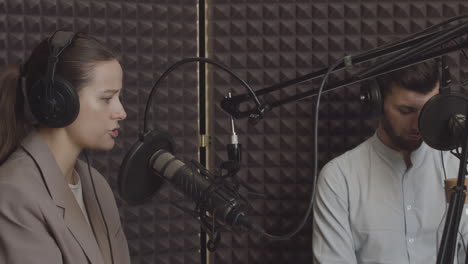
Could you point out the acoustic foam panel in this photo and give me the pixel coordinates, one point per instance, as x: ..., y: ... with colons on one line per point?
x: 267, y: 42
x: 147, y: 36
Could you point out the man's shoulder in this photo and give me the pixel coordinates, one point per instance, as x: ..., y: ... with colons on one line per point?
x: 346, y: 171
x: 354, y: 156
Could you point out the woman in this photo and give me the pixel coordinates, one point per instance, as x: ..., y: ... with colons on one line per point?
x: 54, y: 208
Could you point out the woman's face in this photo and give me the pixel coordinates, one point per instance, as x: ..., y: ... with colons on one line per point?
x: 97, y: 124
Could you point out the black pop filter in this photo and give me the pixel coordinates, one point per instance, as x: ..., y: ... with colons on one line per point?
x: 137, y: 181
x: 435, y: 120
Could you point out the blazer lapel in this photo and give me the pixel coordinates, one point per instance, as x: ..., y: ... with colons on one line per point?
x: 94, y: 212
x: 62, y: 196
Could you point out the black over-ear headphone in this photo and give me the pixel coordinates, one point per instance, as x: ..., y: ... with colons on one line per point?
x: 371, y: 98
x: 52, y: 99
x: 371, y: 94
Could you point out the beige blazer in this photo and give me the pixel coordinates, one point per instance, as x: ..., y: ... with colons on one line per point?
x: 40, y: 219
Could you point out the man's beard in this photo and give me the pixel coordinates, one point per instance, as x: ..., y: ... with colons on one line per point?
x: 398, y: 141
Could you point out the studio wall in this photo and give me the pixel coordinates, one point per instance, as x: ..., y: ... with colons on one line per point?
x: 147, y: 36
x: 265, y: 42
x: 268, y: 42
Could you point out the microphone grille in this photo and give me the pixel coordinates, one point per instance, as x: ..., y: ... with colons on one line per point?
x: 165, y: 164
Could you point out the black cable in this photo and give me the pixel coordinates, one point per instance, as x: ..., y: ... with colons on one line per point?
x: 188, y: 60
x: 100, y: 207
x: 443, y: 165
x: 322, y: 86
x: 442, y: 221
x: 420, y: 33
x: 414, y: 51
x: 427, y: 45
x: 314, y: 187
x: 416, y: 35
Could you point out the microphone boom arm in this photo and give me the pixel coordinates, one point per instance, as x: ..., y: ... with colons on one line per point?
x: 439, y: 39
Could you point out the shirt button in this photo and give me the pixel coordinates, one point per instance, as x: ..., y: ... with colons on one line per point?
x: 411, y: 240
x: 408, y: 207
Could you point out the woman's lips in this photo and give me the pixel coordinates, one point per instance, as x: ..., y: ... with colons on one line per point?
x: 115, y: 133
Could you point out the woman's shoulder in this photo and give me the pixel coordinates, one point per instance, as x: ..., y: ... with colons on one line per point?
x: 18, y: 167
x: 20, y: 182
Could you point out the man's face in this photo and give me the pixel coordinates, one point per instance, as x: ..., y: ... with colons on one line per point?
x: 400, y: 118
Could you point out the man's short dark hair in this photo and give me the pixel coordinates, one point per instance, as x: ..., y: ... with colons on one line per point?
x: 421, y: 78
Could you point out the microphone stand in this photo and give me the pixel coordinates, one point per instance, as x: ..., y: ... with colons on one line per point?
x: 461, y: 179
x: 452, y: 221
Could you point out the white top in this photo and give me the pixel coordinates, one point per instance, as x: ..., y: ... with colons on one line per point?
x: 77, y: 191
x: 370, y: 208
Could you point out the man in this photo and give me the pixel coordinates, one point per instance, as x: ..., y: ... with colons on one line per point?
x: 384, y: 201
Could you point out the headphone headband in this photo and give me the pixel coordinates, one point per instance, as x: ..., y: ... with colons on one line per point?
x: 57, y: 43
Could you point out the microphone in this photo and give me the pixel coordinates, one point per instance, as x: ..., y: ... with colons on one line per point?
x: 442, y: 120
x: 218, y: 200
x: 150, y: 163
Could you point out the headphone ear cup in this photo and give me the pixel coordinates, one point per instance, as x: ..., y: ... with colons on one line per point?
x: 371, y: 98
x: 59, y: 109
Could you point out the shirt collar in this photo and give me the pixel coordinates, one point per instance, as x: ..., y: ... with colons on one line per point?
x: 396, y: 157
